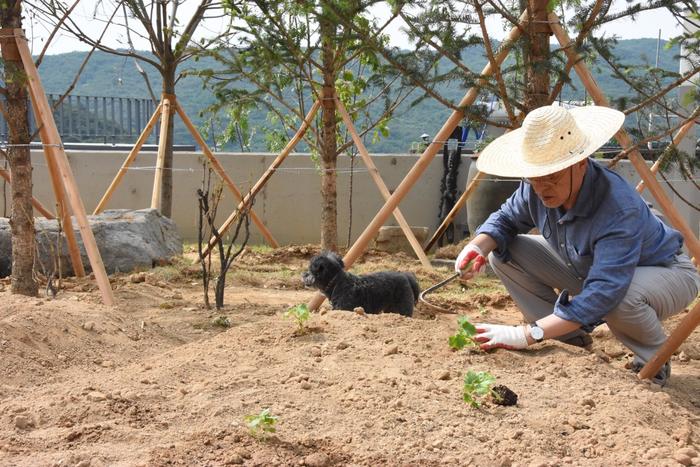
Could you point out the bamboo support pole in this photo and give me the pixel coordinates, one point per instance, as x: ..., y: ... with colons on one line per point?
x: 678, y: 336
x: 52, y: 140
x: 129, y: 159
x: 218, y: 168
x: 37, y: 205
x: 62, y: 209
x: 260, y: 184
x: 423, y: 162
x: 455, y: 209
x: 691, y: 321
x: 160, y: 160
x: 374, y: 173
x: 676, y: 140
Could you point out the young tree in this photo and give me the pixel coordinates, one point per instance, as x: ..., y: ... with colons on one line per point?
x: 172, y: 43
x: 286, y: 54
x: 15, y: 112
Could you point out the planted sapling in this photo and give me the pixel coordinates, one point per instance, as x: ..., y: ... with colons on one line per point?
x: 301, y: 314
x: 465, y: 335
x: 261, y: 424
x: 479, y: 385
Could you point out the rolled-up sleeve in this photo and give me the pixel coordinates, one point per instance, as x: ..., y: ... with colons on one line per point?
x: 617, y: 249
x: 511, y: 219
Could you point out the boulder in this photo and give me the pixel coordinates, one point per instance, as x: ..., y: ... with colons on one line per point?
x: 391, y: 239
x: 127, y: 240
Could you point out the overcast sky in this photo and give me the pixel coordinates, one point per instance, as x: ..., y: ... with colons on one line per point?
x: 647, y: 24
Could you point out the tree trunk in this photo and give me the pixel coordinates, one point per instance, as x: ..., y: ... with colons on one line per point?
x: 166, y: 191
x: 18, y: 156
x: 328, y: 146
x: 536, y: 57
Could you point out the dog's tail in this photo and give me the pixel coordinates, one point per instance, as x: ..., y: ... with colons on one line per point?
x: 414, y: 285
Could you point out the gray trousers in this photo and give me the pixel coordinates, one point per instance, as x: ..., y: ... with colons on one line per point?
x: 535, y: 270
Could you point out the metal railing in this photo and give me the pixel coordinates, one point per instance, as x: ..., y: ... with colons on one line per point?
x: 96, y: 119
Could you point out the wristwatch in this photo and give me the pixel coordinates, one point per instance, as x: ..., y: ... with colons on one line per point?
x: 536, y: 332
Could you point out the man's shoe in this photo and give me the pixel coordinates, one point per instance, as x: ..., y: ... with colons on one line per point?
x: 583, y: 340
x: 661, y: 377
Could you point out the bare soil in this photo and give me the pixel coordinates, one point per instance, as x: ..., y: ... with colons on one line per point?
x: 155, y: 382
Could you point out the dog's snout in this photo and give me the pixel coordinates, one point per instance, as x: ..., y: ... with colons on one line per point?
x: 307, y: 278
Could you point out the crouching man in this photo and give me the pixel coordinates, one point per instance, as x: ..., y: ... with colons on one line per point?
x: 601, y: 255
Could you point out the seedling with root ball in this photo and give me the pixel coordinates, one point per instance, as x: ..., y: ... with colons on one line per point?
x: 479, y: 385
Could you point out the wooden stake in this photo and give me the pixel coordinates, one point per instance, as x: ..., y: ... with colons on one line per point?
x: 129, y: 159
x: 222, y: 173
x: 160, y: 161
x: 374, y: 173
x: 679, y: 335
x: 478, y: 177
x: 423, y: 162
x: 37, y: 205
x: 674, y: 142
x: 681, y: 332
x: 244, y: 204
x: 62, y: 209
x: 54, y: 147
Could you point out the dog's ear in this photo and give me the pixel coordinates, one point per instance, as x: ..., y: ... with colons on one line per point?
x: 336, y: 258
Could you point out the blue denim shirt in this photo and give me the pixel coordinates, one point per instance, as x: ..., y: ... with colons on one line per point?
x: 607, y: 233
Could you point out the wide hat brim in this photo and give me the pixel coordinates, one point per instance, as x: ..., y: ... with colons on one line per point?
x: 503, y: 157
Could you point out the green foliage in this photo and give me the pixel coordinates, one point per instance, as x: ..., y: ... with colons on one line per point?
x: 477, y: 385
x: 261, y: 424
x: 420, y: 114
x: 465, y: 335
x: 300, y: 313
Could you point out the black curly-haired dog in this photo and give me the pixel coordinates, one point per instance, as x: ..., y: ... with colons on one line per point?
x: 389, y: 292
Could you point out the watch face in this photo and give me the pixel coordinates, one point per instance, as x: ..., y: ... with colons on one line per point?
x: 536, y: 332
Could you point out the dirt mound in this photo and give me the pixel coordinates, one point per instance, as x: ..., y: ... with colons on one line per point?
x: 159, y: 381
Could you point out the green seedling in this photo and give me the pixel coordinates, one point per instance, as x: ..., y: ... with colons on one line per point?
x: 300, y: 313
x: 465, y: 335
x: 261, y: 424
x: 477, y: 385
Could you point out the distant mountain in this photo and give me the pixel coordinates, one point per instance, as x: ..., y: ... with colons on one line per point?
x: 111, y: 75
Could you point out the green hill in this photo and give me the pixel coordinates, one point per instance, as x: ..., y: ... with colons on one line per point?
x: 111, y: 75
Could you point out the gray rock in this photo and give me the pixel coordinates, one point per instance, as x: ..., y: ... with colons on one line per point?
x: 127, y: 240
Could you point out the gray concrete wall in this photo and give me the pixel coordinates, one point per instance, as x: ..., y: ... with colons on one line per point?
x: 290, y: 203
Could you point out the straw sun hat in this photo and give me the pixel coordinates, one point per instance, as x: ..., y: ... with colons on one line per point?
x: 551, y: 139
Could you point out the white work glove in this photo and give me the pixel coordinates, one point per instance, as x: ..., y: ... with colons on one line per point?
x: 471, y: 254
x: 492, y: 336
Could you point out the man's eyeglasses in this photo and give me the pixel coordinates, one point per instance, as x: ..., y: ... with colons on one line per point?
x: 551, y: 179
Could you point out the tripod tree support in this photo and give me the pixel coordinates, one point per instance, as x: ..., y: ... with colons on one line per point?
x: 165, y: 113
x: 674, y: 142
x: 244, y: 205
x: 56, y: 158
x: 129, y: 159
x: 161, y: 113
x: 222, y: 173
x: 424, y: 160
x: 374, y: 173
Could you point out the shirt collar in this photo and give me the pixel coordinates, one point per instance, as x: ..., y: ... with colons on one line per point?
x: 586, y: 201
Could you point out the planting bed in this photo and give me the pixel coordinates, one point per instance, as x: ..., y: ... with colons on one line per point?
x: 154, y: 382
